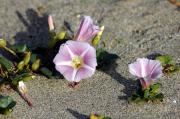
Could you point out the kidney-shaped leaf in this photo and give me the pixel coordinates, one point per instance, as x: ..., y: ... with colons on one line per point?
x: 6, y: 102
x: 19, y: 48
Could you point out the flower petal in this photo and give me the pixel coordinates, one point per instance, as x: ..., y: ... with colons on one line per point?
x: 145, y: 83
x: 90, y: 57
x: 144, y: 63
x: 84, y: 72
x: 66, y: 71
x: 77, y: 47
x: 63, y: 55
x: 135, y: 69
x: 156, y: 70
x: 84, y: 25
x: 63, y: 60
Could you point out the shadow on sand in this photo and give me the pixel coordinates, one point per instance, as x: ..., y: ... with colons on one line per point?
x: 129, y: 85
x: 77, y: 114
x: 37, y: 33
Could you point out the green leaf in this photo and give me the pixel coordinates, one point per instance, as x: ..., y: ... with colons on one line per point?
x: 6, y: 101
x: 146, y: 93
x: 164, y: 59
x: 150, y: 94
x: 104, y: 58
x: 19, y: 48
x: 155, y: 88
x: 33, y: 58
x: 46, y: 72
x: 7, y: 64
x: 6, y: 104
x: 23, y: 77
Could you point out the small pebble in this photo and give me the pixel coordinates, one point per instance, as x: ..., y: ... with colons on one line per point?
x: 174, y: 101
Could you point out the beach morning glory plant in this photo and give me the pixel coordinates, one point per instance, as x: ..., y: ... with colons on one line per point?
x: 147, y: 72
x: 77, y: 57
x: 76, y: 60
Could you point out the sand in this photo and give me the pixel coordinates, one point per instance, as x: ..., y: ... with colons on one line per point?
x: 134, y: 28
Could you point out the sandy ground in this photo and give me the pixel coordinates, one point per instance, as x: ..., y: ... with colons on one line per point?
x: 134, y: 28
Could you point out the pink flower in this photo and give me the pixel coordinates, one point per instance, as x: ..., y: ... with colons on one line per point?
x: 50, y: 23
x: 146, y: 70
x: 76, y: 60
x: 87, y: 30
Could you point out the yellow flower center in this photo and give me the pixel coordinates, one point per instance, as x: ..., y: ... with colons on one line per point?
x: 77, y: 62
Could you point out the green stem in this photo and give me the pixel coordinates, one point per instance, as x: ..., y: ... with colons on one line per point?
x: 10, y: 51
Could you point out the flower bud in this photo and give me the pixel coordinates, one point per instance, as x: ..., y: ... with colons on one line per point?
x: 22, y: 87
x: 20, y: 65
x: 35, y: 65
x: 24, y: 93
x: 61, y: 35
x: 27, y: 58
x: 96, y: 40
x: 3, y: 43
x: 94, y: 116
x: 50, y: 23
x: 27, y: 78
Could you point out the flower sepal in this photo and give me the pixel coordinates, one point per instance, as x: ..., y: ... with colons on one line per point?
x: 74, y: 85
x: 97, y: 38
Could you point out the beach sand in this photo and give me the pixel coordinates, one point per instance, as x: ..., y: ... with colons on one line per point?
x: 133, y: 28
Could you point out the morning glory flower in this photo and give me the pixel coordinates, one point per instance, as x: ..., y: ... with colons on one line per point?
x: 50, y: 23
x: 87, y: 30
x: 76, y: 60
x: 146, y: 70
